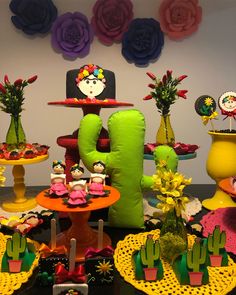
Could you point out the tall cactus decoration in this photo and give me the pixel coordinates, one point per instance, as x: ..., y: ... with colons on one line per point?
x: 124, y: 162
x: 15, y: 246
x: 216, y: 241
x: 150, y: 252
x: 196, y: 256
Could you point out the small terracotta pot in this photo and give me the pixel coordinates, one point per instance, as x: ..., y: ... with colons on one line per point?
x: 215, y: 260
x: 195, y: 278
x: 14, y: 265
x: 150, y: 274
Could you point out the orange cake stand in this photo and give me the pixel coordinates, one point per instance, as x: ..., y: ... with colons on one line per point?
x: 80, y: 229
x: 20, y: 203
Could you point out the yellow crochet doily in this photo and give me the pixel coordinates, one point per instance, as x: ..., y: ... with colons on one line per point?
x: 221, y: 279
x: 9, y: 282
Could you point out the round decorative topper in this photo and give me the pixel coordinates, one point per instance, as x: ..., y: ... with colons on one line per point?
x: 227, y: 103
x: 205, y: 105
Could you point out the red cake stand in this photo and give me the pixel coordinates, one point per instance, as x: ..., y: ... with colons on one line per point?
x: 70, y: 142
x: 80, y: 229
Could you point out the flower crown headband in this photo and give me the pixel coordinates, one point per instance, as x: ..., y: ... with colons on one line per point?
x: 88, y: 70
x: 228, y: 98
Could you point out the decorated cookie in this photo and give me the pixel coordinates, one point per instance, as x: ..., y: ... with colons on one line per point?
x: 227, y: 104
x: 205, y: 105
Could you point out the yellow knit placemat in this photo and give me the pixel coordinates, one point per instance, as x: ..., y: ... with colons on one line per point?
x: 9, y: 282
x: 221, y: 279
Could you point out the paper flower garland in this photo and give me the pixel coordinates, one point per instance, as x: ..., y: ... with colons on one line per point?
x: 111, y: 19
x: 179, y: 18
x: 143, y: 41
x: 33, y: 17
x: 72, y: 35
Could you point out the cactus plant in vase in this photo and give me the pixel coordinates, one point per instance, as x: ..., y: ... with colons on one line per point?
x: 149, y: 254
x: 216, y: 243
x: 14, y: 247
x: 195, y: 258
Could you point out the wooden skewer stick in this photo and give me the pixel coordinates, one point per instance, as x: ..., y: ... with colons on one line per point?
x: 212, y: 126
x: 100, y: 233
x: 72, y: 254
x: 53, y: 233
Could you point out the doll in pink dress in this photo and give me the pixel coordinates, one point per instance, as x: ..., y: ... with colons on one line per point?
x: 78, y: 190
x: 97, y: 179
x: 58, y: 180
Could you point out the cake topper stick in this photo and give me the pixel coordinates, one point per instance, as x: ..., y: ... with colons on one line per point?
x: 72, y: 255
x: 53, y: 233
x: 100, y: 233
x: 227, y: 104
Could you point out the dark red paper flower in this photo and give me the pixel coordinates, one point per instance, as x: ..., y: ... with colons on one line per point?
x: 111, y: 19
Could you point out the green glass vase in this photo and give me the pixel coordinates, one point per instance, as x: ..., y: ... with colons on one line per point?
x: 165, y: 133
x: 15, y: 134
x: 174, y: 224
x: 173, y: 236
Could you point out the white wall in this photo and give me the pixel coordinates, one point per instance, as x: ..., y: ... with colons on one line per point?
x: 208, y: 58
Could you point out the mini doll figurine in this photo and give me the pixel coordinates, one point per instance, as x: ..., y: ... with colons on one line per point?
x: 97, y: 179
x: 91, y: 81
x: 58, y: 180
x: 77, y: 195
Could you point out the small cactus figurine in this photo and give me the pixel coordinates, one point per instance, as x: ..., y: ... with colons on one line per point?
x: 15, y: 246
x: 196, y: 256
x: 150, y: 252
x: 216, y: 241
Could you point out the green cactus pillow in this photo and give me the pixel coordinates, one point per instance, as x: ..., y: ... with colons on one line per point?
x: 124, y: 162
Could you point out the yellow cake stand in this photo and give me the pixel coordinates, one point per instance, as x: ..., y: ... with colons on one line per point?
x: 20, y: 203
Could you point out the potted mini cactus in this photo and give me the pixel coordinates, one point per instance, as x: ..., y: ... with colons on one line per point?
x: 195, y: 258
x: 14, y: 247
x: 215, y: 242
x: 149, y: 253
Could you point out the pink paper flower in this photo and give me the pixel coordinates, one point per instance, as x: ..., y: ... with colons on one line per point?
x: 179, y: 18
x: 111, y: 19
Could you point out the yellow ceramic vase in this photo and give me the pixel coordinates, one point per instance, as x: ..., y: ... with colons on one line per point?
x: 165, y: 133
x: 221, y: 163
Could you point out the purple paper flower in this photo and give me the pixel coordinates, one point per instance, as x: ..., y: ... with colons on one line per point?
x: 72, y: 35
x: 33, y: 16
x: 111, y: 19
x: 143, y: 41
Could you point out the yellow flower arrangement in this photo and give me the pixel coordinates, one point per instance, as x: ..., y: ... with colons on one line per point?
x: 170, y: 185
x: 2, y: 178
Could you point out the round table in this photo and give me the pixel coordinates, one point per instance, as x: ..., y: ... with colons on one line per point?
x: 80, y: 229
x: 21, y: 202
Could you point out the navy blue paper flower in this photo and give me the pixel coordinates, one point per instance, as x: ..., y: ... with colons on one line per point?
x: 143, y: 41
x: 33, y: 16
